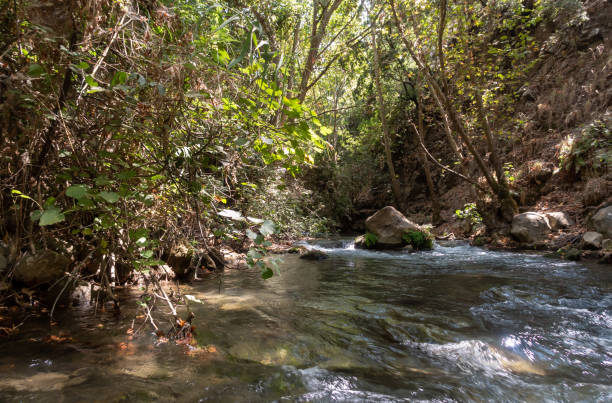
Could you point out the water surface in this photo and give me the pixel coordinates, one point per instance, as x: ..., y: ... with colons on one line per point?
x: 454, y: 324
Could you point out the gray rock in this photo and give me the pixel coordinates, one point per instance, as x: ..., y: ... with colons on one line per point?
x: 559, y: 220
x: 530, y: 227
x: 408, y: 248
x: 45, y: 266
x: 389, y: 225
x: 602, y: 221
x: 606, y: 245
x: 592, y: 240
x: 313, y: 254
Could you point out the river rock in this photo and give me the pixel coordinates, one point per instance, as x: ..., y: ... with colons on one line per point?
x: 606, y: 245
x: 179, y: 258
x: 45, y: 266
x: 602, y: 221
x: 530, y: 227
x: 559, y: 220
x: 595, y: 191
x: 45, y: 381
x: 389, y: 225
x: 313, y: 254
x: 592, y: 240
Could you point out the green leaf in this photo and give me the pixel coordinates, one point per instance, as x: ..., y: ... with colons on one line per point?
x: 110, y: 197
x: 51, y: 216
x: 102, y: 180
x: 91, y: 82
x: 35, y: 70
x: 86, y: 202
x: 128, y: 174
x: 35, y: 215
x: 77, y: 191
x: 254, y: 254
x: 119, y: 78
x: 267, y: 273
x: 267, y: 228
x: 17, y: 193
x: 147, y: 254
x: 251, y: 234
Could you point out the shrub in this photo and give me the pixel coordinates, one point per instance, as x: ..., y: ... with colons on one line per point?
x: 418, y: 239
x: 370, y: 240
x: 469, y: 212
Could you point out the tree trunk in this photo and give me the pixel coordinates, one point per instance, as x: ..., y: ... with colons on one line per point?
x: 383, y: 119
x: 435, y: 204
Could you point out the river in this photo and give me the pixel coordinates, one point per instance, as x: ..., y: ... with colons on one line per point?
x: 458, y: 323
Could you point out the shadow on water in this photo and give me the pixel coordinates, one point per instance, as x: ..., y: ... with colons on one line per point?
x: 454, y: 324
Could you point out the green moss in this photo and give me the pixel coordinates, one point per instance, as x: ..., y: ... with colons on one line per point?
x: 418, y: 239
x: 481, y: 241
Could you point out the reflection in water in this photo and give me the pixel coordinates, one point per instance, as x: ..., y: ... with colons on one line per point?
x: 454, y: 324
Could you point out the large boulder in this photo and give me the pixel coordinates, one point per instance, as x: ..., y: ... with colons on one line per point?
x: 602, y: 221
x: 592, y: 240
x: 389, y: 225
x: 530, y: 227
x: 559, y: 220
x: 43, y: 267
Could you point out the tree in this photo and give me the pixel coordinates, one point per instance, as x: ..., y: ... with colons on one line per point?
x: 441, y: 90
x: 383, y: 116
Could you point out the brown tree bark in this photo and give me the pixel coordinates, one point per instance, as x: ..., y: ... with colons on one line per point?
x: 435, y: 204
x: 321, y: 14
x: 395, y: 186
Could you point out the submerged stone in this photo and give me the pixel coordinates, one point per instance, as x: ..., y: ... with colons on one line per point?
x: 313, y: 254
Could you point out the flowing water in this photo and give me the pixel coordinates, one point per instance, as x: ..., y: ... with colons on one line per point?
x: 454, y: 324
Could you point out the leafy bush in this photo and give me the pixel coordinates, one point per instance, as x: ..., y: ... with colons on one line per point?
x: 418, y: 239
x: 470, y: 212
x: 370, y: 240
